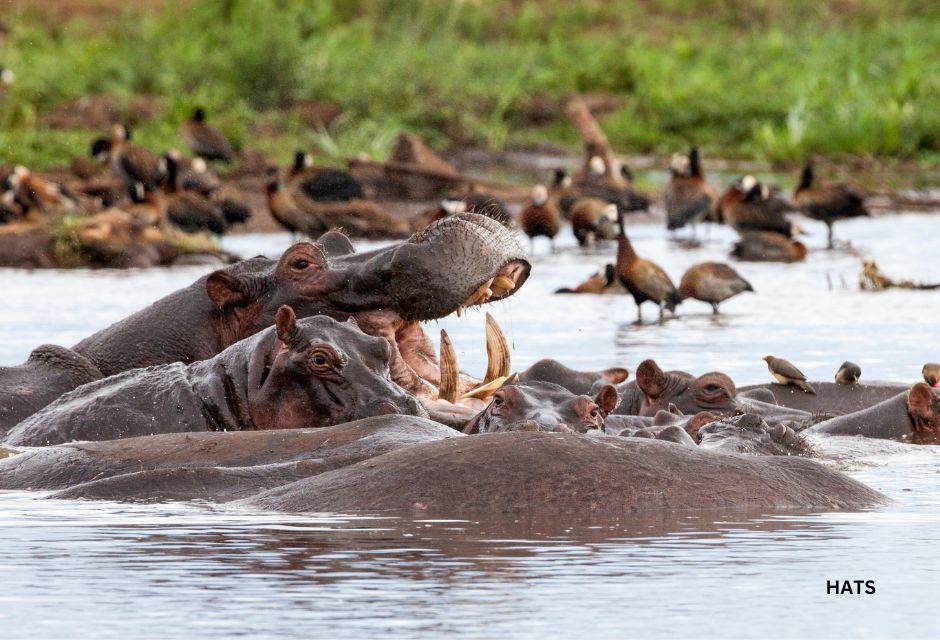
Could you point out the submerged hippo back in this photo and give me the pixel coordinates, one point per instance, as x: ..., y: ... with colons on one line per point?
x: 135, y: 403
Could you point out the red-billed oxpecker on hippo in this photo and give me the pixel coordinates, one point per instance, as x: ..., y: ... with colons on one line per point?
x: 786, y: 373
x: 931, y: 373
x: 465, y: 260
x: 313, y: 373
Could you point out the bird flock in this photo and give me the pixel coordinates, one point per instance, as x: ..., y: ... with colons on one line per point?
x: 758, y: 212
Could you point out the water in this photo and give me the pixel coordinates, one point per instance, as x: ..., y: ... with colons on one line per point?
x: 107, y: 570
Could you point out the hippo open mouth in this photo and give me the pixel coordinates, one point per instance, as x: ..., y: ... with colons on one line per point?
x: 449, y: 395
x: 459, y: 262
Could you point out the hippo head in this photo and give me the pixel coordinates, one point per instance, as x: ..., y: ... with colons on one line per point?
x: 713, y: 391
x: 543, y: 406
x: 748, y: 433
x: 923, y: 406
x: 319, y: 372
x: 461, y: 261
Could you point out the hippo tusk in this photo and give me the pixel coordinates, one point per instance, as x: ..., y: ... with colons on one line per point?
x: 497, y: 351
x: 449, y: 370
x: 485, y: 390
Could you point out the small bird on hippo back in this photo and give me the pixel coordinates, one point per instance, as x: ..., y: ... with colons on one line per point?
x: 786, y: 373
x: 848, y: 374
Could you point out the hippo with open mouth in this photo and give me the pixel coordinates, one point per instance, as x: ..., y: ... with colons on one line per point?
x: 313, y: 373
x: 463, y: 260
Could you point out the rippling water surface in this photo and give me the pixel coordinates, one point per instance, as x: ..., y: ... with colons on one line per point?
x: 107, y: 570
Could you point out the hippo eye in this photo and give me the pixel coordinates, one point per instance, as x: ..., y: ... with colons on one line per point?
x: 594, y: 413
x: 301, y: 264
x: 323, y: 358
x: 497, y: 401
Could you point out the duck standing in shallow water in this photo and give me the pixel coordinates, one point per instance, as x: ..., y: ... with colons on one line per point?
x: 645, y: 280
x: 687, y: 198
x: 712, y: 282
x: 827, y: 203
x: 540, y: 217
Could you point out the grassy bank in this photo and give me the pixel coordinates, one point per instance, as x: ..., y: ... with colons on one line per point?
x: 760, y: 79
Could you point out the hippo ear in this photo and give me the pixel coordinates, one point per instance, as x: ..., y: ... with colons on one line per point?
x: 225, y: 290
x: 285, y: 323
x: 607, y: 399
x: 335, y: 243
x: 616, y: 375
x: 650, y: 378
x: 924, y: 406
x: 474, y: 425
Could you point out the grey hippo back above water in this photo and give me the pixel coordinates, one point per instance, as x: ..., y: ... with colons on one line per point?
x: 313, y: 373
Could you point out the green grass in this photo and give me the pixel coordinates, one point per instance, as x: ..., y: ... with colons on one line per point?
x: 752, y: 79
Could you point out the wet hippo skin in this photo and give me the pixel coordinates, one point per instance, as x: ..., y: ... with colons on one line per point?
x: 310, y: 373
x: 535, y: 472
x: 210, y: 465
x: 830, y: 397
x: 389, y: 290
x: 912, y: 416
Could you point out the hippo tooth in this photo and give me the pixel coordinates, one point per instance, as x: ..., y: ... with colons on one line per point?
x: 497, y: 351
x: 481, y: 295
x: 485, y: 390
x: 449, y: 370
x: 505, y: 282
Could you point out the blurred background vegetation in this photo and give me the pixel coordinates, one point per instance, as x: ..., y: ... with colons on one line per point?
x: 741, y: 78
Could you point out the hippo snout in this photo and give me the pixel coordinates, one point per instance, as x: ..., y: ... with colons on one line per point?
x: 403, y: 404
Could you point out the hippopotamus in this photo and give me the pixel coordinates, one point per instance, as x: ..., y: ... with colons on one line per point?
x: 407, y: 463
x: 578, y: 382
x: 912, y: 416
x: 654, y: 390
x: 670, y: 425
x: 565, y: 473
x: 543, y: 406
x: 749, y: 433
x: 462, y: 260
x: 218, y: 466
x: 314, y: 373
x: 830, y: 397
